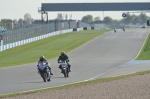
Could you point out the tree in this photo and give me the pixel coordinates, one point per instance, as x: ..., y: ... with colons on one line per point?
x: 32, y: 20
x: 27, y: 18
x: 129, y: 18
x: 1, y: 23
x: 87, y: 19
x: 97, y: 19
x: 137, y: 19
x: 108, y: 19
x: 20, y: 21
x: 143, y: 17
x: 4, y: 21
x: 7, y: 23
x: 15, y: 21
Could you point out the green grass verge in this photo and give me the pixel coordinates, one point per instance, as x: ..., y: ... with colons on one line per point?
x: 78, y: 84
x: 49, y: 47
x: 145, y: 52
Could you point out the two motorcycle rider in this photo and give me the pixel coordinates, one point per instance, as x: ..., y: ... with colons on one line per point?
x: 115, y: 30
x: 64, y: 57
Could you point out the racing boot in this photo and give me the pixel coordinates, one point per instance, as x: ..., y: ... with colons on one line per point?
x: 48, y: 78
x: 51, y: 73
x: 69, y: 68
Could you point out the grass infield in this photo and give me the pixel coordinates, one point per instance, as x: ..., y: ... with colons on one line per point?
x: 145, y: 52
x: 49, y: 47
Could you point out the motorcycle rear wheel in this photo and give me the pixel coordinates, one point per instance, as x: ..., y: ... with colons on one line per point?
x: 44, y: 76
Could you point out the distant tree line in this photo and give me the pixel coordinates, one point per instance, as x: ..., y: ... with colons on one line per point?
x: 26, y: 21
x: 10, y: 24
x: 142, y: 18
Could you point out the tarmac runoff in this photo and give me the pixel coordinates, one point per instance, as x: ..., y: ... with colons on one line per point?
x: 130, y: 67
x: 135, y: 62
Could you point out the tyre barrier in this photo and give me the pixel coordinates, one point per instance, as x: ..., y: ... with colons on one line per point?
x: 92, y: 28
x: 86, y: 28
x: 75, y: 29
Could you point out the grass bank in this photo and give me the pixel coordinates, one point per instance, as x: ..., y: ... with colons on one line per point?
x: 49, y: 47
x: 145, y: 52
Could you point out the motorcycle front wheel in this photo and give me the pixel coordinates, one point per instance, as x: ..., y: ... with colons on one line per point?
x: 44, y: 76
x: 65, y: 74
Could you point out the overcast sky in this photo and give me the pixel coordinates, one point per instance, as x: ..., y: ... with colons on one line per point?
x: 15, y: 9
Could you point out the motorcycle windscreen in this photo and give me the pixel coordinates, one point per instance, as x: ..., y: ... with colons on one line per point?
x: 42, y: 68
x: 64, y: 65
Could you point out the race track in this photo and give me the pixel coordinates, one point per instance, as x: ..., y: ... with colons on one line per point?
x: 101, y: 57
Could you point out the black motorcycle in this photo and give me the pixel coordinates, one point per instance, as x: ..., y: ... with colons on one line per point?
x: 124, y: 29
x: 115, y: 30
x: 43, y: 71
x: 65, y: 68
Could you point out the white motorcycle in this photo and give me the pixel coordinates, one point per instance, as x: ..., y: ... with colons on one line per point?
x: 65, y: 69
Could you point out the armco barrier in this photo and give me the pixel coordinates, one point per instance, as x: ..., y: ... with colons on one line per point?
x: 18, y: 43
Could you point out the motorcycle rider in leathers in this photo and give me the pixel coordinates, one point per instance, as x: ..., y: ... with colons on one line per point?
x: 123, y: 28
x: 64, y: 57
x: 43, y: 59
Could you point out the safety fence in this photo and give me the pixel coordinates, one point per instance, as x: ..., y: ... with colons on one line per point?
x: 34, y: 30
x: 32, y: 39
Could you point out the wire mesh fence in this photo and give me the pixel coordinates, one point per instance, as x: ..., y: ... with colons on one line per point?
x: 34, y: 30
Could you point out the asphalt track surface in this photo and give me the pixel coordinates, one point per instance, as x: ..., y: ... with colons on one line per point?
x: 107, y: 55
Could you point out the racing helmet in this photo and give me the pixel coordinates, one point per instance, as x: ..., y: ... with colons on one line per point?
x: 41, y: 58
x: 62, y: 53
